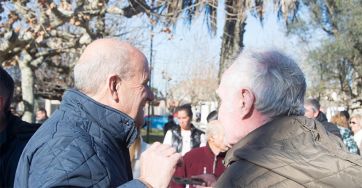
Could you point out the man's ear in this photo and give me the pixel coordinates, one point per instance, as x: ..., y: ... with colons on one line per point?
x: 247, y: 102
x: 113, y: 82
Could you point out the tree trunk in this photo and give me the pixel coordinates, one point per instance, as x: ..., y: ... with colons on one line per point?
x: 232, y: 39
x: 27, y: 83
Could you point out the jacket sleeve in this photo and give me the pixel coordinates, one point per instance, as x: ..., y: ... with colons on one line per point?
x: 133, y: 184
x: 180, y: 172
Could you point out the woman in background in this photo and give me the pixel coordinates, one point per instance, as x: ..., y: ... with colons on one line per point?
x: 342, y: 123
x: 356, y: 126
x: 135, y: 151
x: 185, y: 136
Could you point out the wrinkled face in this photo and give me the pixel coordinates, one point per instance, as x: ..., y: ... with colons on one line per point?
x: 134, y: 92
x: 353, y: 123
x: 230, y: 109
x: 309, y: 112
x: 184, y: 120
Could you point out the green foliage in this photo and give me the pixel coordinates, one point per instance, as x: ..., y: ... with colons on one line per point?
x: 338, y: 59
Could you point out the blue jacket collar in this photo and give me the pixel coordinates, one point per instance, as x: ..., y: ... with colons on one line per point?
x: 116, y: 123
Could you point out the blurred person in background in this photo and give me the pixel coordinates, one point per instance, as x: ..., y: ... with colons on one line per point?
x: 207, y: 159
x: 341, y: 120
x: 185, y: 136
x: 212, y: 116
x: 169, y: 125
x: 356, y: 125
x: 14, y: 133
x: 41, y: 115
x: 312, y: 110
x: 135, y: 151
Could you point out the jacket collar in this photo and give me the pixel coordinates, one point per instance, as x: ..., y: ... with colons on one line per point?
x: 283, y: 128
x: 211, y: 153
x: 118, y: 124
x: 321, y: 117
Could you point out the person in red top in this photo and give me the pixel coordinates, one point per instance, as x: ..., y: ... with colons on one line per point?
x: 204, y: 160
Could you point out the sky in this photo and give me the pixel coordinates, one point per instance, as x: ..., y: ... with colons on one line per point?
x: 175, y: 54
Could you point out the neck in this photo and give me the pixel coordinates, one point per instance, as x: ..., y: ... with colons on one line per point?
x: 214, y: 149
x: 255, y: 121
x: 187, y: 128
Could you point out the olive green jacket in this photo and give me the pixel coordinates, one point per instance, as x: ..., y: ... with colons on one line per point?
x: 291, y: 152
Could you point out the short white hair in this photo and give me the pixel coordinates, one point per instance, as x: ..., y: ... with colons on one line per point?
x: 213, y: 129
x: 275, y: 79
x: 93, y: 67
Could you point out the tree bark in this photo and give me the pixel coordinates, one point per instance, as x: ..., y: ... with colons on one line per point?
x: 232, y: 39
x: 27, y: 83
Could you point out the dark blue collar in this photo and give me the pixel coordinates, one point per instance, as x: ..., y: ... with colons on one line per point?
x: 116, y: 123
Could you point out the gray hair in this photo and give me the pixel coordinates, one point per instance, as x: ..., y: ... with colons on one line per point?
x: 313, y: 103
x: 99, y: 61
x: 275, y: 79
x: 214, y: 128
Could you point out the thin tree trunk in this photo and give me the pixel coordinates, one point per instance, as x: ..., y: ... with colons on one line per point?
x: 233, y: 36
x: 27, y: 82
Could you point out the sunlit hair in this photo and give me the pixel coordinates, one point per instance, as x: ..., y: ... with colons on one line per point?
x: 275, y: 79
x: 340, y: 120
x: 99, y: 61
x: 314, y: 103
x: 6, y: 88
x: 213, y: 129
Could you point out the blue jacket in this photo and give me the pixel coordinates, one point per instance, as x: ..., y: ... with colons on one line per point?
x: 83, y: 144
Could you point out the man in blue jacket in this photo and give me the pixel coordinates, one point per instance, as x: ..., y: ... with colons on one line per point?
x: 85, y: 143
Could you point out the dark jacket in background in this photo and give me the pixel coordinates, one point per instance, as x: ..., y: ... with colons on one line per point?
x: 177, y: 138
x: 330, y: 127
x: 290, y: 152
x: 83, y: 144
x: 12, y: 142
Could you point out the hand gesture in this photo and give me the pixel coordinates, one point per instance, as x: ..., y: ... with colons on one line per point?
x: 158, y: 164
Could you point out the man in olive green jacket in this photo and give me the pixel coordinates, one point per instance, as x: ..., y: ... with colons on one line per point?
x: 291, y: 152
x: 273, y: 145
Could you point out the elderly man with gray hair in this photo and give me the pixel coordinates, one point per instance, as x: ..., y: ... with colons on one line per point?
x: 85, y: 142
x: 312, y: 110
x: 273, y: 144
x: 204, y: 160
